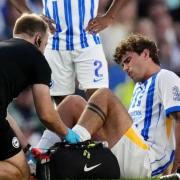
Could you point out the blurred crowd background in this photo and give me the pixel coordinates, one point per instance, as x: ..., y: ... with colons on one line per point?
x: 158, y: 19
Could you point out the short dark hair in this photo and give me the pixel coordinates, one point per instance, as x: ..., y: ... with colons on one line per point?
x: 137, y: 43
x: 30, y: 24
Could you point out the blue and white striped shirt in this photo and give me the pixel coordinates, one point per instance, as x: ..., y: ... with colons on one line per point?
x: 152, y: 102
x: 71, y: 18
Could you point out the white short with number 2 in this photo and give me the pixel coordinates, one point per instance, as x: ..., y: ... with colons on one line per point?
x: 88, y: 65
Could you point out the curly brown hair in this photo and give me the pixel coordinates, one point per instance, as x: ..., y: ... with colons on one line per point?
x: 136, y: 43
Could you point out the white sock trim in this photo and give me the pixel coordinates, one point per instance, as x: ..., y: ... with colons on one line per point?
x: 82, y: 132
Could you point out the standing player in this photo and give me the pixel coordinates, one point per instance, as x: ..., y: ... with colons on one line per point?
x: 75, y: 49
x: 146, y: 141
x: 23, y: 65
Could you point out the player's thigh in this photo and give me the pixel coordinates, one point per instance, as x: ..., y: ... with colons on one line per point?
x: 132, y: 154
x: 117, y: 120
x: 63, y: 72
x: 92, y: 69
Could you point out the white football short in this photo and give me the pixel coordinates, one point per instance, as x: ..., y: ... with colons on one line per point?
x: 88, y: 66
x: 131, y: 152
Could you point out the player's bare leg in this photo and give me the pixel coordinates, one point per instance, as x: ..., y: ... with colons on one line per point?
x: 70, y: 110
x: 110, y: 119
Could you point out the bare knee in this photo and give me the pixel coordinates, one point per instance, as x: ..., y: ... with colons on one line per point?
x: 102, y: 91
x: 71, y: 108
x: 77, y: 105
x: 105, y: 91
x: 74, y: 102
x: 75, y: 99
x: 103, y: 94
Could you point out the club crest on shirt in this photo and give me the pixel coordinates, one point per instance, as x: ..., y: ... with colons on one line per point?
x: 136, y: 115
x: 15, y: 142
x: 176, y: 93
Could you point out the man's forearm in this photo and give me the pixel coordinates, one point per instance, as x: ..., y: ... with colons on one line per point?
x: 21, y: 6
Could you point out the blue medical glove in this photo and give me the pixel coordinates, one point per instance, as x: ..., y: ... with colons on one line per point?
x: 71, y: 137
